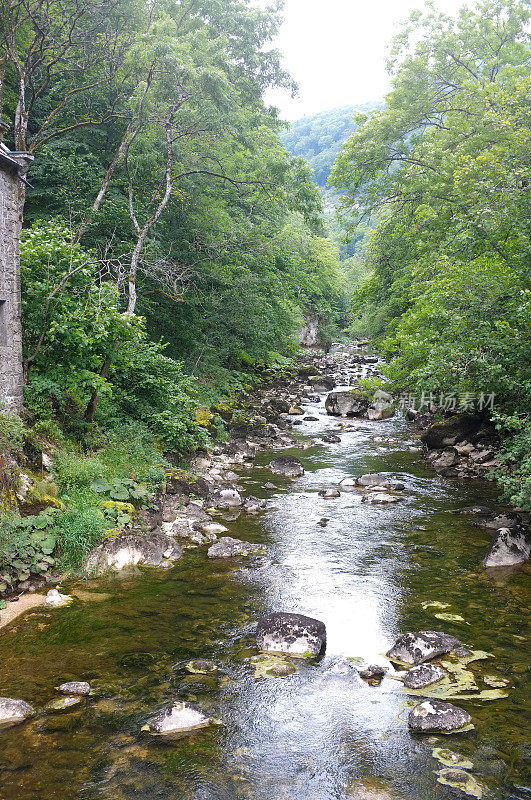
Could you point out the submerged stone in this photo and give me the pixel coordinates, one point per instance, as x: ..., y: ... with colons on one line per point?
x: 451, y: 759
x: 178, y: 718
x: 461, y: 780
x: 64, y: 703
x: 415, y: 648
x: 227, y: 547
x: 287, y: 466
x: 437, y: 715
x: 294, y: 634
x: 201, y: 666
x: 266, y: 665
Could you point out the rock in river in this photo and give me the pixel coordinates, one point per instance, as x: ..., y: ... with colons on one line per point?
x: 509, y: 547
x: 423, y: 675
x: 329, y: 494
x: 228, y: 547
x: 436, y: 715
x: 128, y: 549
x: 415, y: 648
x: 178, y: 718
x: 287, y: 466
x: 74, y: 687
x: 346, y: 404
x: 228, y: 497
x: 373, y: 674
x: 14, y: 711
x: 294, y: 634
x: 373, y: 479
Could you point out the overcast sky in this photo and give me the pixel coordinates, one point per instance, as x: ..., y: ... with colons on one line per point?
x: 336, y: 50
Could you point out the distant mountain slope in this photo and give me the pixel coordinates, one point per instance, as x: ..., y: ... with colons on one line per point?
x: 318, y: 138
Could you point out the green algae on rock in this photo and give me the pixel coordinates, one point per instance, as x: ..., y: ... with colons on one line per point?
x: 461, y: 780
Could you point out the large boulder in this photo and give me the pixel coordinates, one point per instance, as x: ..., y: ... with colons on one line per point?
x: 14, y: 711
x: 381, y: 406
x: 227, y: 547
x: 509, y: 547
x: 287, y: 466
x: 178, y: 718
x: 451, y: 430
x: 294, y: 634
x: 129, y: 549
x: 346, y: 404
x: 436, y: 715
x: 415, y: 648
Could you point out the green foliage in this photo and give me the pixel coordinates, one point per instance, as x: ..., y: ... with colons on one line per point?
x: 318, y: 137
x: 122, y: 489
x: 515, y: 474
x: 78, y: 531
x: 26, y: 547
x: 445, y: 168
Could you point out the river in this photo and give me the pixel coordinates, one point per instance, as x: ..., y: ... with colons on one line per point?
x: 321, y: 733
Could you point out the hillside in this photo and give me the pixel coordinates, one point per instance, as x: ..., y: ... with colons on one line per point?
x: 318, y: 138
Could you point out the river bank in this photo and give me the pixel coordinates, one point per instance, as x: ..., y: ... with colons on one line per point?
x: 369, y: 571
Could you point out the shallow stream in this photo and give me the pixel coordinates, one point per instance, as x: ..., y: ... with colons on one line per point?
x: 319, y: 734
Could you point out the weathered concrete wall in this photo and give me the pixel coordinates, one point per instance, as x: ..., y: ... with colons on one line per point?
x: 11, y: 205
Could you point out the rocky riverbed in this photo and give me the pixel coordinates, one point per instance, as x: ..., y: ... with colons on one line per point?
x: 309, y: 616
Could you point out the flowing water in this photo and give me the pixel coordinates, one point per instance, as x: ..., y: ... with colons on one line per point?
x: 319, y: 734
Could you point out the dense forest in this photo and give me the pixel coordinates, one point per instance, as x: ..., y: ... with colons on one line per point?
x: 318, y: 137
x: 444, y: 169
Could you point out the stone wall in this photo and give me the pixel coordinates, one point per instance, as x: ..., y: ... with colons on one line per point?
x: 11, y: 204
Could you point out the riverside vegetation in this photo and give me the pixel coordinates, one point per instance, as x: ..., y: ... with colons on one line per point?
x: 173, y: 247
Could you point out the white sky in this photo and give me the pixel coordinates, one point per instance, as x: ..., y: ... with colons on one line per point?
x: 336, y: 50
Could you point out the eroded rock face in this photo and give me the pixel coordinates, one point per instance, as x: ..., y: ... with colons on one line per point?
x: 415, y: 648
x: 423, y: 675
x: 227, y: 547
x: 287, y: 466
x: 13, y: 711
x: 294, y: 634
x: 178, y: 718
x: 509, y: 547
x: 74, y: 687
x: 129, y: 549
x: 436, y: 715
x: 346, y: 404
